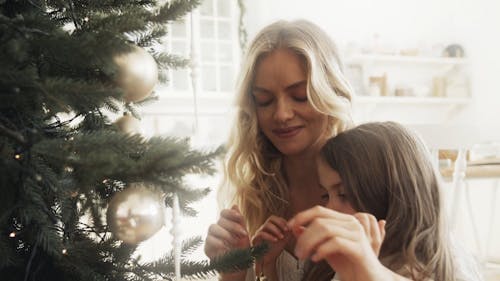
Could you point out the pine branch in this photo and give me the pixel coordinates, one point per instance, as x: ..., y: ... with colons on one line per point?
x: 190, y: 245
x: 174, y: 10
x: 170, y: 61
x: 233, y: 261
x: 12, y: 134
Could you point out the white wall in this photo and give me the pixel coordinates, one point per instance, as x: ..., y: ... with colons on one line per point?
x: 475, y: 24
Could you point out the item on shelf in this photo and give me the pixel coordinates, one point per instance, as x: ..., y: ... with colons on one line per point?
x: 457, y: 84
x: 421, y: 91
x: 354, y: 73
x: 485, y: 153
x: 404, y: 91
x: 413, y: 52
x: 438, y: 86
x: 378, y: 85
x: 454, y: 51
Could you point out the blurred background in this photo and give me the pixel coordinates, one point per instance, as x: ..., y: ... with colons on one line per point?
x: 431, y: 65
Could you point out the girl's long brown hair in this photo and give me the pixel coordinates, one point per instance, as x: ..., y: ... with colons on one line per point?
x: 386, y: 171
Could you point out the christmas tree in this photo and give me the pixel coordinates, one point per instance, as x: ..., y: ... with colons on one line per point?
x: 78, y: 191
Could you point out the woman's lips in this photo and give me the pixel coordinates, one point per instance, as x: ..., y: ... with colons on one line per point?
x: 287, y: 132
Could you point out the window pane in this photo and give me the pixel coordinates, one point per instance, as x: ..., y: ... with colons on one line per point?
x: 207, y: 29
x: 208, y: 52
x: 180, y: 80
x: 178, y: 29
x: 208, y: 77
x: 206, y: 8
x: 224, y: 30
x: 223, y: 8
x: 225, y: 52
x: 226, y: 79
x: 179, y: 47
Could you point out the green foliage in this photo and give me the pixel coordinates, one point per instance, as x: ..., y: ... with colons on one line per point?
x: 61, y: 158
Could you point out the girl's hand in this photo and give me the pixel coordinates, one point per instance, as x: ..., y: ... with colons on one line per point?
x: 342, y: 241
x: 374, y: 230
x: 276, y: 233
x: 228, y: 233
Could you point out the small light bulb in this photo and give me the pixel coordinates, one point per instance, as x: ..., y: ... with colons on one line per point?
x: 64, y: 251
x: 68, y: 169
x: 17, y: 156
x: 86, y: 19
x: 12, y: 234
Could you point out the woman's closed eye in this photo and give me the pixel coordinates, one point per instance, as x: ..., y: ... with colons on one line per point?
x: 263, y: 102
x: 300, y: 98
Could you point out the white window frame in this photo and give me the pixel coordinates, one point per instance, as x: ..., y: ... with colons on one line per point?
x: 173, y: 102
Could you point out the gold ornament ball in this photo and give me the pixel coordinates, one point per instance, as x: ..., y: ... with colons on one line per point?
x: 137, y: 74
x: 135, y: 214
x: 128, y: 124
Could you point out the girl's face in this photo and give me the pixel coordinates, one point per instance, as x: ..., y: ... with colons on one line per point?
x: 330, y: 180
x: 284, y: 113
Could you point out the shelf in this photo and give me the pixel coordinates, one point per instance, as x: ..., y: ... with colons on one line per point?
x: 410, y: 100
x: 358, y: 59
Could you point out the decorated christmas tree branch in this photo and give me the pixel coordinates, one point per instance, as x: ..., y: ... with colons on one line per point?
x: 12, y: 134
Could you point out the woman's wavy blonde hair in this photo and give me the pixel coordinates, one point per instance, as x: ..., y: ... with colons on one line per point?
x: 387, y: 171
x: 253, y: 176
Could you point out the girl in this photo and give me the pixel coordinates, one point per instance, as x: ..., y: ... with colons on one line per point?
x: 384, y: 170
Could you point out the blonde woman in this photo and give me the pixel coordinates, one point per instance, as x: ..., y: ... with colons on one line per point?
x: 292, y: 97
x: 380, y: 181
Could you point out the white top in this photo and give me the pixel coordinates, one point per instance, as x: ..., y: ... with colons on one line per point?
x: 288, y: 268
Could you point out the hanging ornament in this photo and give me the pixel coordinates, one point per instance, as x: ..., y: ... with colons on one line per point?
x: 135, y: 214
x: 128, y: 124
x: 137, y: 74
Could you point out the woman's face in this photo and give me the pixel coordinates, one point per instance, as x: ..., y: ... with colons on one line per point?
x: 331, y: 182
x: 284, y: 113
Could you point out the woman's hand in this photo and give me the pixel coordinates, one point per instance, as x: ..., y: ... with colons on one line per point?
x: 228, y: 233
x: 350, y: 244
x: 276, y: 233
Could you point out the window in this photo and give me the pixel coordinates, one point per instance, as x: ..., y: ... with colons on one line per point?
x: 217, y: 51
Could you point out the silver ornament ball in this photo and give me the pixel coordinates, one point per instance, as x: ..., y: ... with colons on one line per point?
x: 128, y: 124
x: 135, y: 214
x: 137, y: 74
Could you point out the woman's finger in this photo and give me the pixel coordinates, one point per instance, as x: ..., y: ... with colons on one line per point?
x: 276, y: 226
x: 232, y: 227
x: 223, y: 234
x: 264, y: 236
x: 214, y: 247
x: 233, y: 215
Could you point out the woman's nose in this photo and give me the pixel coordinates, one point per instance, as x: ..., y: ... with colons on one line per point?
x: 284, y: 110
